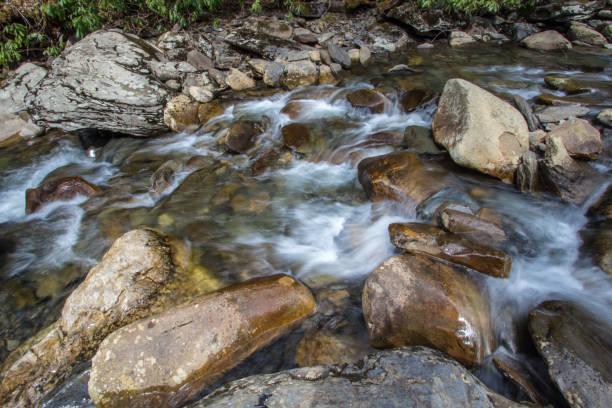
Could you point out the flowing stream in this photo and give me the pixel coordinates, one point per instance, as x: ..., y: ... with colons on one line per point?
x: 306, y: 216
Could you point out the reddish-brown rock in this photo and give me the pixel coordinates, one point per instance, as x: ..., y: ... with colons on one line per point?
x: 56, y: 190
x: 368, y: 98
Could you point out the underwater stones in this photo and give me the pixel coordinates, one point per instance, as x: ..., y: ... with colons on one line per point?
x: 577, y: 348
x: 581, y: 140
x: 181, y: 114
x: 420, y: 140
x: 416, y: 300
x: 117, y: 291
x: 207, y: 336
x: 163, y: 177
x: 415, y: 98
x: 102, y: 82
x: 549, y: 40
x: 402, y: 177
x: 432, y: 241
x: 56, y: 190
x: 299, y: 73
x: 368, y: 99
x: 570, y: 179
x: 479, y: 130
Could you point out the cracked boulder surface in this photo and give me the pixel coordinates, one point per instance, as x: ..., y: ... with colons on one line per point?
x: 168, y: 359
x: 17, y: 89
x: 407, y: 377
x: 117, y: 291
x: 103, y: 82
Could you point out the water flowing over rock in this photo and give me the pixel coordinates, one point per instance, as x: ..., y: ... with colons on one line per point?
x: 369, y: 99
x: 410, y: 377
x: 415, y: 300
x: 402, y: 177
x: 117, y: 291
x: 207, y: 337
x: 55, y: 190
x: 241, y: 136
x: 427, y: 240
x: 578, y: 351
x: 479, y: 130
x: 102, y: 82
x: 570, y: 179
x: 18, y: 89
x: 549, y: 40
x: 581, y: 140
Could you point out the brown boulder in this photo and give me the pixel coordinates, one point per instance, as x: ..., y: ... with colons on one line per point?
x: 425, y: 239
x: 56, y: 190
x: 369, y: 99
x: 319, y: 347
x: 412, y: 99
x: 296, y: 136
x: 241, y: 136
x: 416, y: 300
x: 401, y: 176
x: 207, y: 337
x: 581, y: 140
x: 181, y: 114
x: 117, y: 291
x: 471, y: 227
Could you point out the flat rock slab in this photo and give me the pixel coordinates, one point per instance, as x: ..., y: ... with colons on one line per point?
x: 407, y: 378
x: 425, y: 239
x: 167, y: 359
x: 578, y: 351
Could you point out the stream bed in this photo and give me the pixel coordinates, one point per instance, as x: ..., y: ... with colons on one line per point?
x: 306, y: 215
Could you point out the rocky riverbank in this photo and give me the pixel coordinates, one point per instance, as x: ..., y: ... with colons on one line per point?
x: 161, y: 326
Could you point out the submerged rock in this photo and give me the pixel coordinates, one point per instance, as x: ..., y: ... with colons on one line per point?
x: 416, y: 300
x: 427, y: 240
x: 102, y: 82
x: 241, y: 136
x: 549, y: 40
x: 578, y: 351
x: 296, y: 136
x: 206, y: 337
x: 402, y: 177
x: 117, y: 291
x: 420, y: 140
x: 56, y: 190
x: 479, y: 130
x: 416, y: 98
x: 408, y: 378
x: 369, y: 99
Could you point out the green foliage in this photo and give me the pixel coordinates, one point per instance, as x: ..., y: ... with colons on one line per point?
x: 474, y: 6
x: 17, y: 39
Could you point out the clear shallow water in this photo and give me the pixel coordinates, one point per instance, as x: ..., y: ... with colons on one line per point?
x: 306, y: 216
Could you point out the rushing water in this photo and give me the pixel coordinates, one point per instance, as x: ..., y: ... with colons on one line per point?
x: 306, y: 216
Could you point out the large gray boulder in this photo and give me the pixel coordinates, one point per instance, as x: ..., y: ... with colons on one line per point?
x: 408, y: 377
x: 104, y: 82
x: 18, y: 88
x: 479, y: 130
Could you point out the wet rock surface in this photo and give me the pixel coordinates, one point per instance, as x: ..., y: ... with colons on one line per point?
x: 416, y: 300
x: 55, y: 190
x: 471, y: 227
x: 369, y: 99
x: 408, y: 377
x: 207, y: 337
x: 479, y: 130
x: 102, y: 82
x: 577, y: 348
x: 117, y: 291
x: 427, y: 240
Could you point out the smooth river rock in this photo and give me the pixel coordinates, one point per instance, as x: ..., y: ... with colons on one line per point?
x: 410, y: 377
x: 412, y: 300
x: 369, y: 99
x: 402, y: 177
x: 549, y: 40
x: 103, y: 81
x: 117, y: 291
x: 55, y: 190
x: 425, y: 239
x: 577, y: 347
x: 167, y: 359
x: 472, y: 227
x: 479, y: 130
